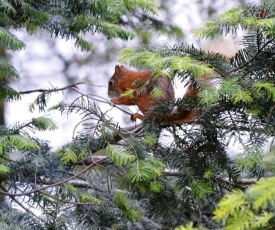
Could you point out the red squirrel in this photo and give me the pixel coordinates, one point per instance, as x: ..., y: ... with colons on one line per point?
x: 123, y: 79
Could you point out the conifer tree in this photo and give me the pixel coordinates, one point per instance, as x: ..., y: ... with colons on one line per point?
x: 154, y: 175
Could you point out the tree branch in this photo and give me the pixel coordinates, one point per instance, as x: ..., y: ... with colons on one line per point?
x: 51, y: 185
x: 51, y: 90
x: 176, y: 173
x: 20, y: 204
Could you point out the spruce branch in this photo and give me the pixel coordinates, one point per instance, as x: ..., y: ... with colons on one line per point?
x: 259, y: 51
x: 54, y: 184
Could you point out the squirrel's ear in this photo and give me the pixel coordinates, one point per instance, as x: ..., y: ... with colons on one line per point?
x: 117, y: 69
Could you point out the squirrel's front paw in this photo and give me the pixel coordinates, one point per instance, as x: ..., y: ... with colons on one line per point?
x: 114, y: 101
x: 135, y: 116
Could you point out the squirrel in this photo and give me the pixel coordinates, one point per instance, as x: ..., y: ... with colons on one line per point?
x: 124, y: 79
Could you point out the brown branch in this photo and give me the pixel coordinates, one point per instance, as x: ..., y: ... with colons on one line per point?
x: 89, y: 161
x: 70, y: 202
x: 74, y: 85
x: 51, y: 185
x: 19, y: 203
x: 51, y: 90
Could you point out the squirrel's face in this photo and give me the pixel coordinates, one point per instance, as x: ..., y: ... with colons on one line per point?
x: 112, y: 91
x: 113, y: 84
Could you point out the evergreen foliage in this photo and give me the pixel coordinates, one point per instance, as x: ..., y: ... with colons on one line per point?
x: 239, y: 107
x: 71, y: 20
x: 250, y: 210
x: 151, y: 176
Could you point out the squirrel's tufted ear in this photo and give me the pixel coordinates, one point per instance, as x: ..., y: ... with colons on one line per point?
x: 118, y: 69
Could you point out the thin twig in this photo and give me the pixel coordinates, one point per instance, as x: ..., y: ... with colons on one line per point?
x: 103, y: 100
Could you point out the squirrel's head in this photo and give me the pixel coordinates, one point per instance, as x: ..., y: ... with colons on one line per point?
x: 114, y: 85
x: 124, y: 79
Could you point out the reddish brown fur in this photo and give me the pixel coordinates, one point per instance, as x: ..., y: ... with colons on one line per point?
x: 123, y: 79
